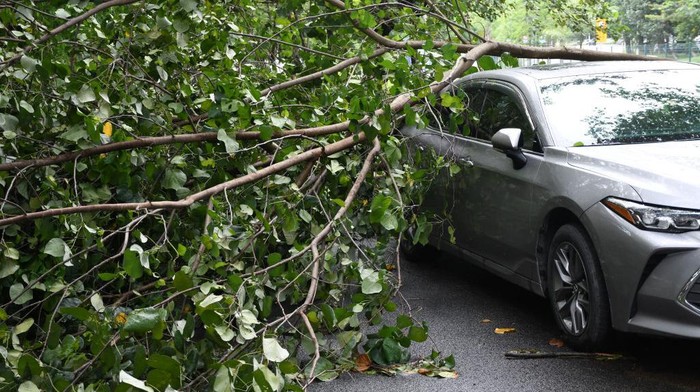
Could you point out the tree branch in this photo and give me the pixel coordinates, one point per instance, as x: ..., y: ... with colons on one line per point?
x: 58, y: 30
x: 463, y: 63
x: 499, y: 48
x: 328, y: 71
x: 161, y: 140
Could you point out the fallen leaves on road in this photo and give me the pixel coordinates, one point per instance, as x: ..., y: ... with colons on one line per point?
x: 362, y: 363
x: 503, y: 331
x: 485, y: 321
x: 433, y: 366
x: 556, y: 342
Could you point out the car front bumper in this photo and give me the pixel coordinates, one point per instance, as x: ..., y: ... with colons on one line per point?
x: 650, y: 276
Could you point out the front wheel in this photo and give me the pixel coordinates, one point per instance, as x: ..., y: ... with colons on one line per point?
x: 577, y: 290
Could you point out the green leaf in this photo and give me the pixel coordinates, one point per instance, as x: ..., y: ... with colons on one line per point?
x: 128, y: 379
x: 371, y: 284
x: 17, y: 296
x: 188, y: 5
x: 75, y: 134
x: 56, y: 247
x: 7, y: 268
x: 328, y: 316
x: 81, y: 314
x: 8, y: 122
x: 26, y: 106
x: 11, y: 253
x: 230, y: 144
x: 274, y: 258
x: 28, y: 64
x: 85, y: 94
x: 509, y: 60
x: 417, y: 334
x: 222, y: 380
x: 166, y: 363
x: 325, y: 370
x: 394, y: 352
x: 174, y: 179
x: 132, y: 264
x: 273, y: 351
x: 389, y: 221
x: 277, y: 121
x: 182, y: 281
x: 28, y: 386
x: 403, y: 321
x: 144, y: 320
x: 23, y: 326
x: 487, y: 63
x: 305, y: 216
x: 378, y: 208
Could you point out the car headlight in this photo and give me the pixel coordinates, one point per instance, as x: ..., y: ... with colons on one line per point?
x: 657, y: 218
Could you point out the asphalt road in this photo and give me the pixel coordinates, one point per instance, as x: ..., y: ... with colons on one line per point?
x: 454, y: 298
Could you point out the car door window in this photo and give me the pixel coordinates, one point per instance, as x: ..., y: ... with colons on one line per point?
x: 454, y: 111
x: 481, y: 113
x: 499, y: 110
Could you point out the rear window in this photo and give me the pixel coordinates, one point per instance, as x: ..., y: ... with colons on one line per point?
x: 623, y: 108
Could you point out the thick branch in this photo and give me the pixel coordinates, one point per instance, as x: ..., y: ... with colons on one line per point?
x: 188, y: 201
x: 161, y: 140
x: 58, y: 30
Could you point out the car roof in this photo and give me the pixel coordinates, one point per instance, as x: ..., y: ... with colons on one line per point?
x: 549, y: 71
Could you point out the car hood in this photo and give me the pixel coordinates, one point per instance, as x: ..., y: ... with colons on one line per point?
x: 662, y: 173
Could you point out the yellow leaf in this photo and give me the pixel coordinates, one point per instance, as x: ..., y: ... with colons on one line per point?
x: 502, y: 331
x: 107, y: 128
x: 390, y: 267
x: 485, y: 321
x: 120, y: 318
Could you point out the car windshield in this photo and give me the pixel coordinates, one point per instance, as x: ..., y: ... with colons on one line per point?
x: 623, y: 108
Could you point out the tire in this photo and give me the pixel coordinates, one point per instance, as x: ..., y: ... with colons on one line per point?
x: 576, y: 290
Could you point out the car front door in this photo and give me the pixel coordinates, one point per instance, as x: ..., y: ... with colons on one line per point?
x: 494, y: 200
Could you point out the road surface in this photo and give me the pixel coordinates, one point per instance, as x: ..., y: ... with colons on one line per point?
x: 454, y: 298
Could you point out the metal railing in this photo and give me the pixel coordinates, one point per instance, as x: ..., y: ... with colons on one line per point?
x: 681, y: 51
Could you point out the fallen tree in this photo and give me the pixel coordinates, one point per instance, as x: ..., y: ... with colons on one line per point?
x: 188, y: 189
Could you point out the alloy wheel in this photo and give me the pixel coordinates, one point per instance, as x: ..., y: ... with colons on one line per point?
x: 571, y: 290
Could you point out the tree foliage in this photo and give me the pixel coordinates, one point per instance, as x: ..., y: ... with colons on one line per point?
x: 203, y: 194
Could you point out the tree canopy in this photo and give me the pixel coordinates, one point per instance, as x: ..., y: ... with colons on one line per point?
x: 207, y: 194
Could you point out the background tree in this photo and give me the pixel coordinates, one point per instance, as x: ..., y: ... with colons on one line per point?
x: 683, y: 16
x: 546, y: 22
x: 644, y: 21
x: 202, y: 194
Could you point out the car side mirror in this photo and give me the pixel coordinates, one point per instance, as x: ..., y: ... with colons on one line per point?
x: 510, y: 141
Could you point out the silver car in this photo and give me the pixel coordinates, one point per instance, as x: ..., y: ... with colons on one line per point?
x: 581, y: 183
